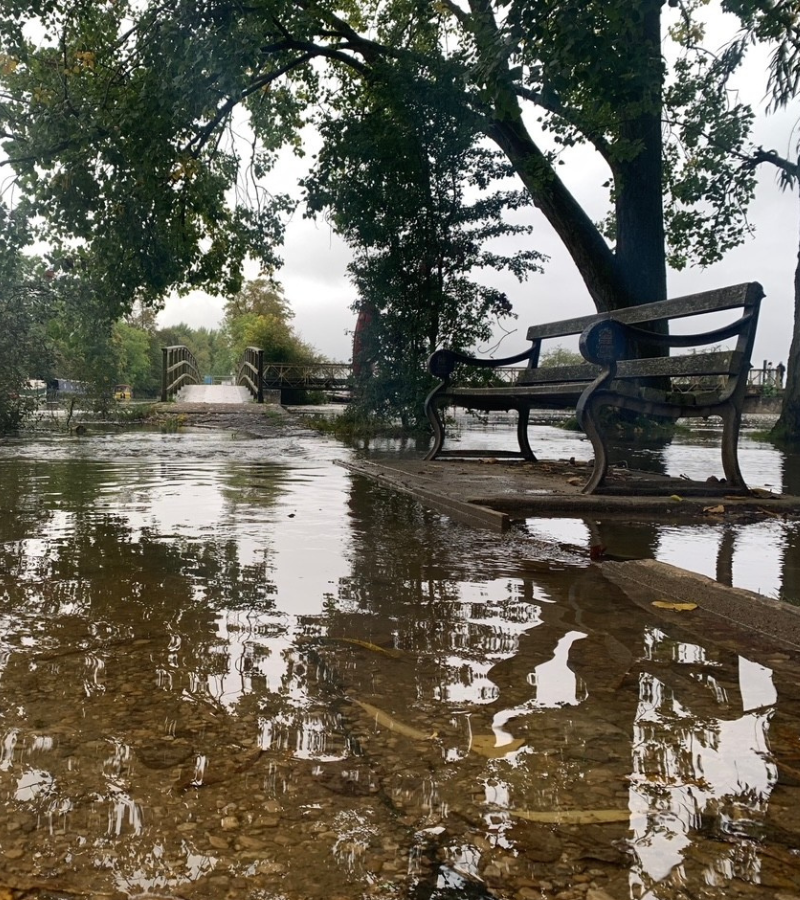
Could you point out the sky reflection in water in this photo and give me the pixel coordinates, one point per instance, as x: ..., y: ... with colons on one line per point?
x: 227, y: 664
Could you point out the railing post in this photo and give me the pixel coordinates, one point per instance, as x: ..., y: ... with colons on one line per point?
x: 164, y: 363
x: 260, y: 394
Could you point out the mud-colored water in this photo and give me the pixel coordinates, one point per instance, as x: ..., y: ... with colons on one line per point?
x: 230, y: 669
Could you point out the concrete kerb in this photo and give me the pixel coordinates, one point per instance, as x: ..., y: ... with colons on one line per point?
x: 766, y: 622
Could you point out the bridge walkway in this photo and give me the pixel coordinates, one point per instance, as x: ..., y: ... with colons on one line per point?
x: 214, y: 394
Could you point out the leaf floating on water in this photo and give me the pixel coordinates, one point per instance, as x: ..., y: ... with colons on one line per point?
x: 366, y: 645
x: 573, y: 816
x: 486, y: 745
x: 387, y: 721
x: 669, y: 604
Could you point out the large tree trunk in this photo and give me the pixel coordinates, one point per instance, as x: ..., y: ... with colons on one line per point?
x: 640, y: 250
x: 635, y: 271
x: 787, y: 428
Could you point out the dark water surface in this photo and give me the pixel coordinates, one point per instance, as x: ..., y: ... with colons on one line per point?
x: 230, y: 669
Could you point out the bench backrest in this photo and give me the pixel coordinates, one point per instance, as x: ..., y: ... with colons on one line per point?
x: 744, y: 297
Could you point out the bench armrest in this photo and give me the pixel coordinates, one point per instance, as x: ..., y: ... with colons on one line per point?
x: 626, y: 333
x: 605, y: 342
x: 442, y: 362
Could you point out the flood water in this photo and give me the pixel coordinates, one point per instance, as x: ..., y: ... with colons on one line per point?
x: 231, y: 669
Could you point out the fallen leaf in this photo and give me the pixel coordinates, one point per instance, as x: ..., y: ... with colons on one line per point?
x: 714, y: 510
x: 386, y: 651
x: 575, y: 480
x: 573, y: 816
x: 669, y: 604
x: 676, y: 498
x: 387, y: 721
x: 486, y: 745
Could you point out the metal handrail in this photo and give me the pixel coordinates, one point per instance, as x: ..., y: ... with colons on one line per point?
x: 251, y: 372
x: 297, y: 375
x: 178, y: 368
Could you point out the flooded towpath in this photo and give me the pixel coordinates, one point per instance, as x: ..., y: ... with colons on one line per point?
x: 231, y: 669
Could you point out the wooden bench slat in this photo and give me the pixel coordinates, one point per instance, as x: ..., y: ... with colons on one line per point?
x: 548, y: 374
x: 740, y: 295
x: 727, y: 362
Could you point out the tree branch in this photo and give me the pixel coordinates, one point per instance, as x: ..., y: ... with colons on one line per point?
x: 553, y: 105
x: 196, y: 144
x: 790, y: 169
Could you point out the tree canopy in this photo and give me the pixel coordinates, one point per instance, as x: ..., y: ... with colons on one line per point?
x: 260, y: 316
x: 140, y: 133
x: 425, y: 207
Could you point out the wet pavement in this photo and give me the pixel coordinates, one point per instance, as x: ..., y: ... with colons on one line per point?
x: 493, y: 493
x: 232, y: 668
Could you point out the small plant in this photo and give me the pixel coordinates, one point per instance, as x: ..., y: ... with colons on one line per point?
x: 170, y: 424
x: 139, y: 412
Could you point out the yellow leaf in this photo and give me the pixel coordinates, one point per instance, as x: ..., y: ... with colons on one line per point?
x: 676, y: 498
x: 387, y: 721
x: 573, y: 816
x: 669, y: 604
x: 486, y: 745
x: 8, y: 64
x: 714, y: 510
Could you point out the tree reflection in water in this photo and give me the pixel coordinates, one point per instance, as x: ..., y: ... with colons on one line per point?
x: 701, y: 762
x: 195, y: 705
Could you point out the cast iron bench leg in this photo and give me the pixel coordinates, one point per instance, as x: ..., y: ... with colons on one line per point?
x: 731, y: 420
x: 432, y: 411
x: 586, y: 420
x: 524, y: 415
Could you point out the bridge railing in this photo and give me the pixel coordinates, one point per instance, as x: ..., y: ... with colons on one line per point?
x: 332, y: 376
x: 178, y: 368
x: 307, y: 375
x: 251, y: 372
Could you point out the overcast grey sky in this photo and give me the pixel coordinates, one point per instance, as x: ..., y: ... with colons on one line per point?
x: 317, y: 287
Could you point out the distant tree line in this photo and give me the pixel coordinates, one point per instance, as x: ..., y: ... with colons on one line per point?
x: 52, y: 330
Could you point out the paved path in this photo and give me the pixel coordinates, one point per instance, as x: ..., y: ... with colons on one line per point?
x: 214, y: 393
x: 491, y: 496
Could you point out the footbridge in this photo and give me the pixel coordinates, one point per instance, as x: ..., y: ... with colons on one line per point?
x: 254, y: 379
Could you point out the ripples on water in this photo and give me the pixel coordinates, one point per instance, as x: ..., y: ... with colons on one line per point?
x: 229, y: 668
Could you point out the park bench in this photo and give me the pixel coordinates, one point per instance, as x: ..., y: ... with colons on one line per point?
x: 702, y: 381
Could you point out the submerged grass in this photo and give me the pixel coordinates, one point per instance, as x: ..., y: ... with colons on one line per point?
x: 352, y: 428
